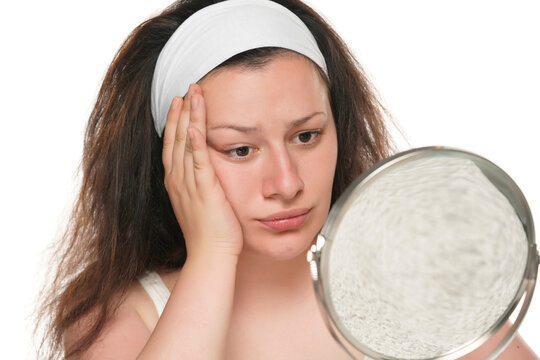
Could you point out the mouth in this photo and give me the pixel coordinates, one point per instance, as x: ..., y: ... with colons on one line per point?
x: 286, y: 220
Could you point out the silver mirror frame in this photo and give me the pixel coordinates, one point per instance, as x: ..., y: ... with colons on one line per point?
x: 318, y: 255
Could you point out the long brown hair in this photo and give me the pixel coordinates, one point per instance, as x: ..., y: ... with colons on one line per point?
x: 122, y: 223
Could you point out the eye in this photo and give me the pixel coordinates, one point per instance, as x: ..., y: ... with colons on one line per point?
x: 240, y: 152
x: 308, y: 137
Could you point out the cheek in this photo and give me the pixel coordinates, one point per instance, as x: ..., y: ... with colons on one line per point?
x: 237, y: 181
x: 320, y: 165
x: 331, y: 154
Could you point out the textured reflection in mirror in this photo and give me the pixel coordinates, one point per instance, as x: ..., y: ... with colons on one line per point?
x: 427, y: 259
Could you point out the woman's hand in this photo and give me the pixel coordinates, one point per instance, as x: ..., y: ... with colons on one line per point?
x: 196, y: 319
x: 205, y: 215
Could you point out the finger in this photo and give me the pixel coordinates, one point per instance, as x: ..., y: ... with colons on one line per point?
x: 204, y: 174
x: 198, y: 111
x: 188, y: 155
x: 180, y: 138
x: 189, y: 175
x: 169, y: 133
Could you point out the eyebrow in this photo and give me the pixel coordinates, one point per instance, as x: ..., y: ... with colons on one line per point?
x: 246, y: 129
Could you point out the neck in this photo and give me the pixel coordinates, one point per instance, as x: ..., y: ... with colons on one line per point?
x: 260, y: 280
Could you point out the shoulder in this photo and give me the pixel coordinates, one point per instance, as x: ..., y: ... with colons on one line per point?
x: 517, y: 349
x: 125, y: 333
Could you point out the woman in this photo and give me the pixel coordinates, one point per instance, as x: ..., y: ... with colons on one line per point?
x: 218, y: 191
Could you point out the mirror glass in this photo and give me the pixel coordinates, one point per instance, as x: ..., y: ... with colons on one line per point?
x: 425, y: 255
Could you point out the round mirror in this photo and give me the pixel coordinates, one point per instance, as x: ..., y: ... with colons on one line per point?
x: 425, y: 256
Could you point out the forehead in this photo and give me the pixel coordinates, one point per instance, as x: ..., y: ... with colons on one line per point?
x: 287, y: 87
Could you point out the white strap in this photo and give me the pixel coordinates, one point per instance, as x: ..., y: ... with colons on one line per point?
x: 156, y: 289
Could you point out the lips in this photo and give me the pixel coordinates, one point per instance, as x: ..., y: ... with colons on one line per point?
x: 286, y: 220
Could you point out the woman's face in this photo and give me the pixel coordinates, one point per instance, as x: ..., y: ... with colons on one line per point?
x: 272, y: 142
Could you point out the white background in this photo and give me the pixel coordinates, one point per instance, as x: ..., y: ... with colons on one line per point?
x: 460, y: 73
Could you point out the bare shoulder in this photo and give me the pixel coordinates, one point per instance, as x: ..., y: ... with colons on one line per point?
x: 516, y: 350
x: 125, y: 334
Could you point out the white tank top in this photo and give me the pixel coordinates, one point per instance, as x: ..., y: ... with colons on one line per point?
x: 156, y: 289
x: 159, y: 293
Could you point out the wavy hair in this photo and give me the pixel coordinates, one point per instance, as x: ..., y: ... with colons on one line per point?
x: 122, y: 223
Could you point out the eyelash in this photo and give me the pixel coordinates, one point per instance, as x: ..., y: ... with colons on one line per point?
x: 315, y: 137
x: 314, y: 133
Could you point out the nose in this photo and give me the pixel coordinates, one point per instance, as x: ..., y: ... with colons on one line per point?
x: 281, y: 177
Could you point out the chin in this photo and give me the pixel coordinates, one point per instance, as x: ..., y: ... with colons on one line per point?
x: 282, y: 246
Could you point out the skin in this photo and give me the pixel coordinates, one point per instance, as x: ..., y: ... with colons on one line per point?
x: 280, y: 167
x: 245, y: 288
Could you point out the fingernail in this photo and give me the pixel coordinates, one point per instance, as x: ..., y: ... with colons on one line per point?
x: 175, y: 102
x: 194, y: 102
x: 190, y: 91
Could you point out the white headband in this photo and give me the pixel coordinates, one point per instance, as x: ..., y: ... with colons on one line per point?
x: 218, y: 32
